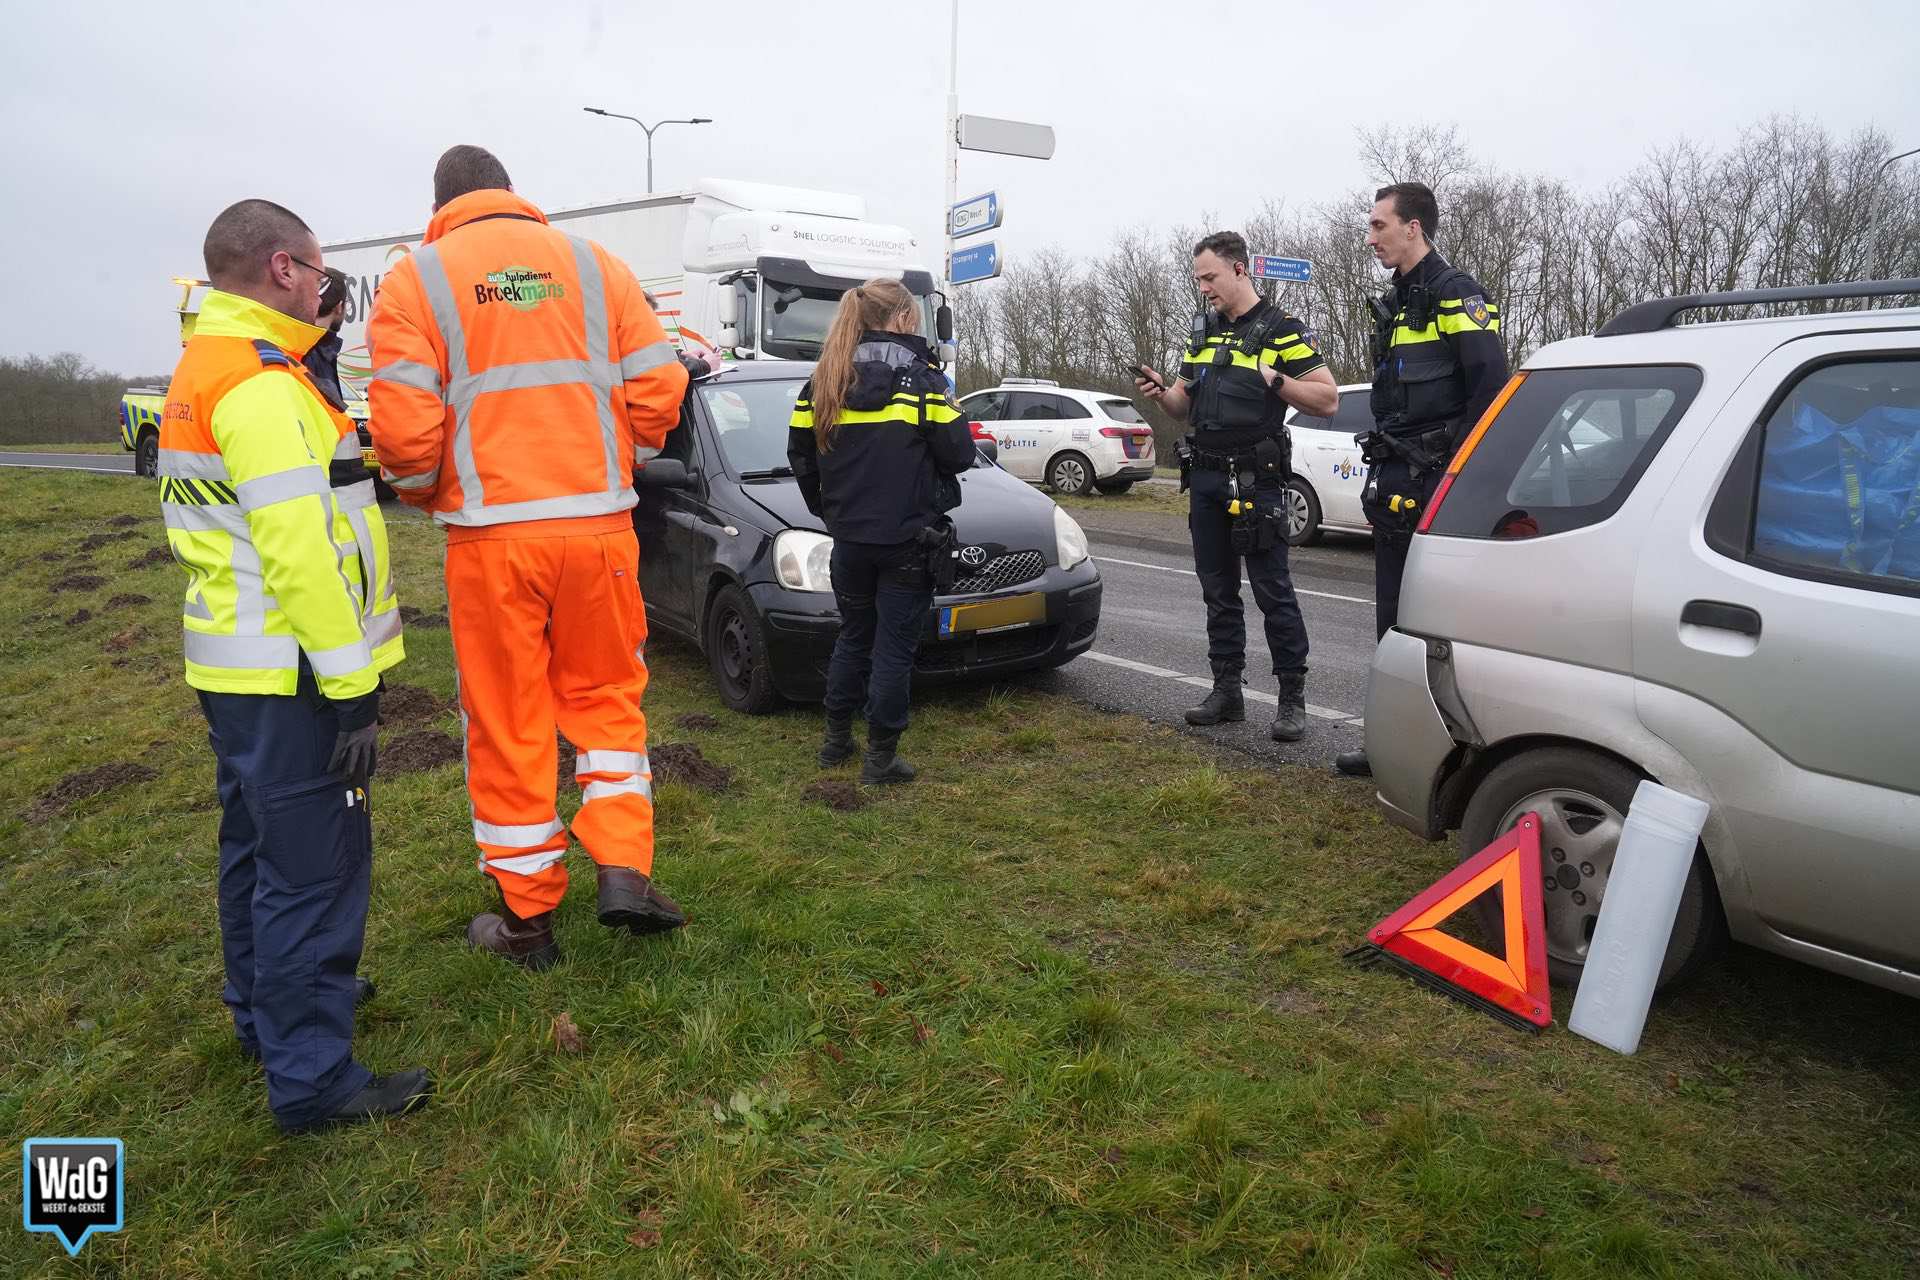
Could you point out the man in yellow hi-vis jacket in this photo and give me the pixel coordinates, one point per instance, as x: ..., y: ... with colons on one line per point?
x: 289, y: 619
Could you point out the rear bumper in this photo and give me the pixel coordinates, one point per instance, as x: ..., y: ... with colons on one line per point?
x: 1131, y: 471
x: 801, y: 629
x: 1407, y: 741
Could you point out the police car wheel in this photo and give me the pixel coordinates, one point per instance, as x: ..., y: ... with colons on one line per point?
x: 146, y: 455
x: 1113, y: 488
x: 1071, y: 474
x: 1582, y: 799
x: 737, y: 653
x: 1303, y: 513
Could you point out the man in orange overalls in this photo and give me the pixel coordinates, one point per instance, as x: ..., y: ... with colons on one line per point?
x: 519, y: 377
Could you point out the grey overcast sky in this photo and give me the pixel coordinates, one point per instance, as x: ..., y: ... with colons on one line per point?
x: 124, y: 127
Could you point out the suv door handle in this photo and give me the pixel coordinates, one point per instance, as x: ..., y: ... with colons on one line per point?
x: 1721, y: 615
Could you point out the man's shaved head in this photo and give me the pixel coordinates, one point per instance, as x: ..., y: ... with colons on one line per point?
x: 245, y: 235
x: 465, y: 169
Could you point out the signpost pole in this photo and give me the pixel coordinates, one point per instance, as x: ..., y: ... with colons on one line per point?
x: 953, y: 142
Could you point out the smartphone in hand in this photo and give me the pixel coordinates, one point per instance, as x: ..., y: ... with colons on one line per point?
x: 1144, y: 374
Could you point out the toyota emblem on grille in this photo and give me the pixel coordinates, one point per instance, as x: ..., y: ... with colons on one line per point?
x: 973, y: 557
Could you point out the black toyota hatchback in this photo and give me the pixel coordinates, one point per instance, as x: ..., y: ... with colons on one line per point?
x: 731, y: 559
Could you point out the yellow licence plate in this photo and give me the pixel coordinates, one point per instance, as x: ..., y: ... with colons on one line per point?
x: 994, y: 615
x: 366, y: 456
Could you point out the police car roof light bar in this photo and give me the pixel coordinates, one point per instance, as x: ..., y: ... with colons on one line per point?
x: 1662, y: 313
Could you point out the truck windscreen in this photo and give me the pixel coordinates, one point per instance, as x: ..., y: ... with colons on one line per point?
x: 795, y: 319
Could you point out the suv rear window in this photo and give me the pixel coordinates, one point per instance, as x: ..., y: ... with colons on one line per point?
x: 1121, y: 411
x: 1565, y: 451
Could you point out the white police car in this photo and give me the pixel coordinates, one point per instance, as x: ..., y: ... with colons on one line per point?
x: 1328, y: 475
x: 1073, y: 441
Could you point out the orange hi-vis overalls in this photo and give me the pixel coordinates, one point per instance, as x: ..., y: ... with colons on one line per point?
x: 519, y: 377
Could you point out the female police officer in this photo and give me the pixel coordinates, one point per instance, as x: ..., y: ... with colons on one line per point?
x: 875, y: 443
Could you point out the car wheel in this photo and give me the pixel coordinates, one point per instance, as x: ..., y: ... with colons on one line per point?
x: 1071, y: 474
x: 146, y: 454
x: 737, y: 653
x: 1113, y: 488
x: 1582, y: 800
x: 1303, y: 513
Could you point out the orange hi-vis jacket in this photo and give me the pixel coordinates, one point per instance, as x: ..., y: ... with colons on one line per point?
x: 518, y: 374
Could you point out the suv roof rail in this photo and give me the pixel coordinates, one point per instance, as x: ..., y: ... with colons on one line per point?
x: 1028, y: 382
x: 1661, y: 313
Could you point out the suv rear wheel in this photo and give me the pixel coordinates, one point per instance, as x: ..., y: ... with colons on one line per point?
x: 146, y: 454
x: 1071, y: 474
x: 1113, y: 488
x: 1582, y: 800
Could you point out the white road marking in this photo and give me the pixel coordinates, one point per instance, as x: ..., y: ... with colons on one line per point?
x: 59, y: 466
x: 1201, y: 682
x: 1299, y: 591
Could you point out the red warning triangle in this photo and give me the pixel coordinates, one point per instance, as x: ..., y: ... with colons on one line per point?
x: 1514, y: 984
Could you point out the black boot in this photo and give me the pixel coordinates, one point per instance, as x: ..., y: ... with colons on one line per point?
x: 1354, y: 763
x: 381, y: 1096
x: 883, y: 766
x: 1290, y: 719
x: 838, y: 746
x: 1226, y: 704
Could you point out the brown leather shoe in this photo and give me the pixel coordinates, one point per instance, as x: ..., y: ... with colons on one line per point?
x: 628, y: 900
x: 528, y: 943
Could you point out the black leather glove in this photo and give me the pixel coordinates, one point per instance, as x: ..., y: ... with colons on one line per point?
x: 355, y: 747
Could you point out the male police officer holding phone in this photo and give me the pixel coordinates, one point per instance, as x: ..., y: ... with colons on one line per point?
x: 1247, y: 361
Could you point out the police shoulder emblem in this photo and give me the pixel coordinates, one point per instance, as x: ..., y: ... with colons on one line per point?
x: 1476, y: 309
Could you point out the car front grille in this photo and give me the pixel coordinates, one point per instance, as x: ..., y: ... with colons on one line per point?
x: 1001, y: 572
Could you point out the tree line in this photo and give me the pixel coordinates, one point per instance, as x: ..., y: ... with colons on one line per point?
x: 1787, y: 203
x: 61, y: 399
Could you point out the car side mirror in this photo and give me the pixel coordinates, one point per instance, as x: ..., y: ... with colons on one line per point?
x: 943, y: 323
x: 664, y: 473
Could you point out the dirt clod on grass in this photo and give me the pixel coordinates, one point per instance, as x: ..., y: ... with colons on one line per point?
x: 417, y: 752
x: 80, y: 582
x: 123, y: 522
x: 409, y: 704
x: 76, y: 618
x: 153, y: 556
x: 413, y: 617
x: 694, y: 721
x: 838, y: 795
x: 94, y: 541
x: 686, y: 764
x: 85, y: 784
x: 124, y: 641
x: 127, y: 600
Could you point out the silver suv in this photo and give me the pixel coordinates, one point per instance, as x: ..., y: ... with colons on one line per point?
x: 1688, y: 553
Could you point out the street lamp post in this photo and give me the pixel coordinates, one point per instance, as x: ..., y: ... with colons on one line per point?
x: 615, y: 115
x: 1888, y: 163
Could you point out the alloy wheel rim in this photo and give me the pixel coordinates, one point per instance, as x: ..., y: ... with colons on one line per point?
x: 1579, y: 835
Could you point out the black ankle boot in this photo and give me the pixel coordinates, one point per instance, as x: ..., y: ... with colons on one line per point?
x: 1290, y: 719
x: 1225, y: 705
x: 838, y: 746
x: 883, y: 765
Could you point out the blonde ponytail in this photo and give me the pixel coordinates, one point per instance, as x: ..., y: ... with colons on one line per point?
x: 873, y: 305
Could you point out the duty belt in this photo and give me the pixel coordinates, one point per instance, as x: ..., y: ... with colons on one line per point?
x: 1214, y: 460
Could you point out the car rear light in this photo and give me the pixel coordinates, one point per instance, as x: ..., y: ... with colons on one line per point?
x: 1121, y: 433
x: 1466, y: 449
x: 979, y: 432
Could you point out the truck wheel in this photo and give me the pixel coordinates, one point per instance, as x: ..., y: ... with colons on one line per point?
x: 1582, y: 800
x: 1303, y: 513
x: 737, y: 653
x: 146, y: 454
x: 1071, y: 474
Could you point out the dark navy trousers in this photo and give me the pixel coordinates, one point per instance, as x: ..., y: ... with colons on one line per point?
x: 884, y: 594
x: 296, y: 862
x: 1218, y: 566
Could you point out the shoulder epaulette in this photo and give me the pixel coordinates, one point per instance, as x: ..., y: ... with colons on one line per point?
x: 271, y: 356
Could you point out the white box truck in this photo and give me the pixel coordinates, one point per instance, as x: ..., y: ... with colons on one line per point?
x: 751, y: 269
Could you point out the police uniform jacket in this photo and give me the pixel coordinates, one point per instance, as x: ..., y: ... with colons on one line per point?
x: 1233, y: 408
x: 900, y: 442
x: 1441, y: 361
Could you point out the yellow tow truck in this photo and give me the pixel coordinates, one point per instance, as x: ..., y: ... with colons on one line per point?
x: 141, y: 407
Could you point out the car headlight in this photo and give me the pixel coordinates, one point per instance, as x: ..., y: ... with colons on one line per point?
x: 803, y: 560
x: 1068, y: 540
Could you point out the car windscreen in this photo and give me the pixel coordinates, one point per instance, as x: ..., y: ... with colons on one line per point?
x: 751, y: 418
x: 1122, y: 411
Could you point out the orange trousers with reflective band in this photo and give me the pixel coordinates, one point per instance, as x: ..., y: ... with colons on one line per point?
x: 547, y: 632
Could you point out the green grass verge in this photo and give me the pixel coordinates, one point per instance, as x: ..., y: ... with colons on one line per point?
x: 1072, y: 1005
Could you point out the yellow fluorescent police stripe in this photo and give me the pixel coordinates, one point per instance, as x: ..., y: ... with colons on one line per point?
x: 1460, y: 322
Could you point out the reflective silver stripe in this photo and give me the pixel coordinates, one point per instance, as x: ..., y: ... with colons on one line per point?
x: 183, y: 464
x: 446, y: 318
x: 282, y: 486
x: 609, y: 762
x: 349, y: 447
x: 518, y: 377
x: 187, y: 518
x: 198, y: 607
x: 601, y: 790
x: 250, y: 589
x: 507, y: 836
x: 643, y: 454
x: 579, y: 504
x: 382, y: 627
x: 363, y: 539
x: 265, y: 653
x: 410, y: 373
x: 425, y: 480
x: 651, y: 356
x: 593, y: 303
x: 525, y: 864
x: 357, y: 496
x: 343, y: 661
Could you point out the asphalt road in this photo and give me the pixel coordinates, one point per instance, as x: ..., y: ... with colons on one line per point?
x: 119, y: 464
x: 1150, y: 658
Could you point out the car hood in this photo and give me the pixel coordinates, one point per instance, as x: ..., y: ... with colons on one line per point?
x: 996, y: 511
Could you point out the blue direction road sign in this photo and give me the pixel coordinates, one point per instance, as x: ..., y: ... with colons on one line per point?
x: 1268, y: 267
x: 976, y: 262
x: 982, y: 213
